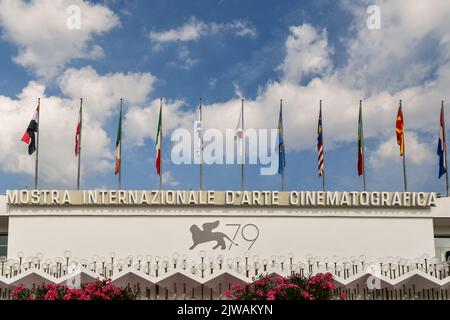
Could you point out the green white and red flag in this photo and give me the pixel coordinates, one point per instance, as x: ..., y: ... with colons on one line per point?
x: 158, y: 143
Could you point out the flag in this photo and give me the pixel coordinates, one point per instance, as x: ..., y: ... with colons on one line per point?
x: 360, y: 144
x: 400, y: 131
x: 30, y: 134
x: 239, y: 137
x: 441, y: 146
x: 198, y: 143
x: 118, y: 143
x: 158, y: 143
x: 320, y: 145
x: 281, y: 156
x: 239, y: 132
x: 77, y: 135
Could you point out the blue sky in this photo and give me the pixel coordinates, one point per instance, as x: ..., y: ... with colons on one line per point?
x: 300, y: 51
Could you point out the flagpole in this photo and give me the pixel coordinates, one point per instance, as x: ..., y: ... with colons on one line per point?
x: 201, y: 146
x: 120, y: 146
x: 36, y: 167
x: 243, y: 146
x: 363, y: 147
x: 404, y: 151
x: 79, y: 143
x: 445, y: 147
x: 161, y: 147
x: 323, y: 144
x: 283, y: 181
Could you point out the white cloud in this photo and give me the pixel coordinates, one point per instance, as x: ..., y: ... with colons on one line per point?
x: 185, y: 60
x: 191, y: 30
x: 58, y: 120
x: 39, y: 29
x: 307, y: 52
x: 141, y: 122
x: 401, y: 53
x: 103, y: 92
x: 212, y: 82
x: 169, y: 180
x: 388, y: 152
x: 240, y: 28
x: 194, y: 29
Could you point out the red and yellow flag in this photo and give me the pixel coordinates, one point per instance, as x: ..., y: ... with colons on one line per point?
x: 158, y: 142
x: 119, y: 144
x: 400, y: 131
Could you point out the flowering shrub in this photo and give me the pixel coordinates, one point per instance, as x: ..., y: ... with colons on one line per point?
x: 295, y: 287
x: 96, y: 290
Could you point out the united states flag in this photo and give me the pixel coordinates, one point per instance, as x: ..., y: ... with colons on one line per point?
x: 320, y: 144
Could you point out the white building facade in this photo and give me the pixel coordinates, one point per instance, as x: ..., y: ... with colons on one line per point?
x: 208, y: 240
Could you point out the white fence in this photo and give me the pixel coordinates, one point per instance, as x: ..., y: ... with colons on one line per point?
x: 175, y: 277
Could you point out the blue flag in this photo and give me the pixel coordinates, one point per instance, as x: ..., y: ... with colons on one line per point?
x: 281, y: 156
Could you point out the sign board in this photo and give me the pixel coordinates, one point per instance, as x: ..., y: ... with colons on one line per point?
x: 219, y: 198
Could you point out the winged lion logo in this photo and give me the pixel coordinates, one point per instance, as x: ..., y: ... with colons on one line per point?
x: 206, y: 234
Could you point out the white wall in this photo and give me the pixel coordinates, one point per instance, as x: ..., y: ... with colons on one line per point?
x: 163, y: 235
x: 442, y: 209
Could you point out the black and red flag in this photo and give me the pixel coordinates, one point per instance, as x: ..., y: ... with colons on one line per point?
x: 30, y: 135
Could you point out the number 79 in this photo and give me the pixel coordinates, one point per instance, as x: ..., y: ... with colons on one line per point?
x: 245, y: 232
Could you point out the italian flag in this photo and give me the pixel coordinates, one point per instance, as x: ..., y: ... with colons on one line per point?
x: 119, y: 144
x: 158, y: 143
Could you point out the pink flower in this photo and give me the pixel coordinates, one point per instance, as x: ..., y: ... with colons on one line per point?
x: 344, y: 296
x: 271, y: 295
x: 51, y: 295
x: 235, y: 287
x: 307, y: 296
x: 328, y: 276
x: 98, y: 290
x: 292, y: 286
x: 328, y: 286
x: 229, y: 294
x: 261, y: 282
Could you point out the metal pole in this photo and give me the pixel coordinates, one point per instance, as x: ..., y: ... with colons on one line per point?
x: 323, y: 146
x: 243, y: 146
x: 363, y: 146
x: 445, y: 147
x: 201, y: 146
x: 283, y: 181
x: 161, y: 146
x: 120, y: 146
x: 79, y: 143
x: 36, y: 167
x: 404, y: 152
